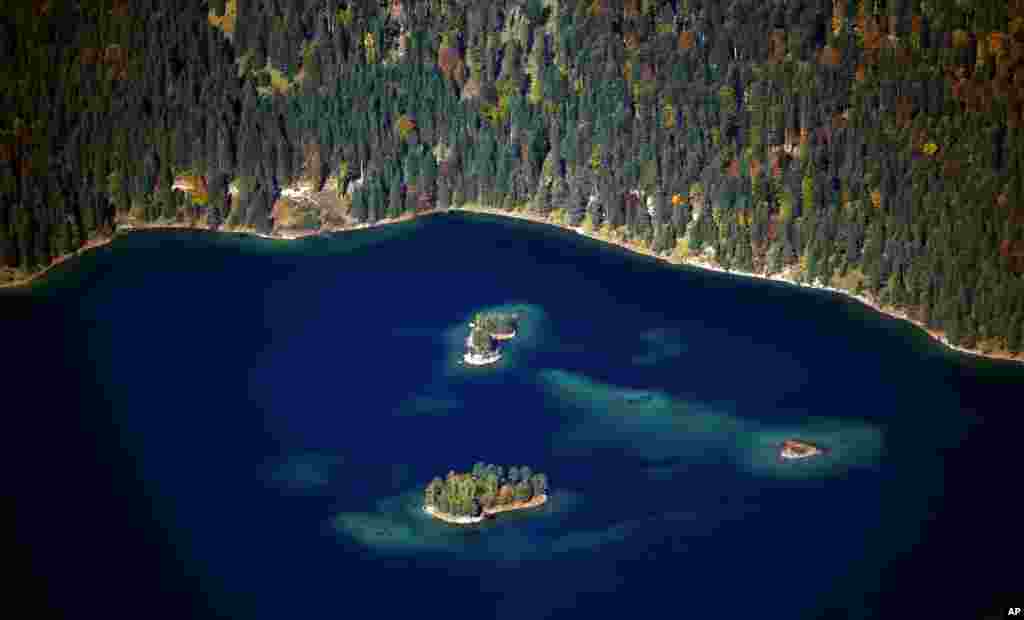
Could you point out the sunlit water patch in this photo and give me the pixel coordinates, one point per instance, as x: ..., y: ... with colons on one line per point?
x: 660, y: 345
x: 432, y: 402
x: 647, y: 423
x: 398, y: 525
x: 304, y: 473
x: 656, y: 425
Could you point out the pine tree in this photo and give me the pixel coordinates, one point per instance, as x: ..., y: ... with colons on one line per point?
x: 395, y: 198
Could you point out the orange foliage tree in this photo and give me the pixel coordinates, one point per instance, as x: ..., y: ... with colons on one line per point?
x: 831, y: 56
x: 776, y: 45
x: 686, y: 40
x: 631, y: 40
x: 447, y: 60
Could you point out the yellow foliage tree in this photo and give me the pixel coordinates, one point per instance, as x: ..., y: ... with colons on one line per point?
x: 371, y: 48
x: 960, y: 39
x: 199, y: 198
x: 807, y: 187
x: 786, y: 205
x: 495, y: 114
x: 1016, y: 25
x: 405, y: 126
x: 595, y: 157
x: 727, y: 97
x: 345, y: 16
x: 668, y: 112
x: 534, y: 63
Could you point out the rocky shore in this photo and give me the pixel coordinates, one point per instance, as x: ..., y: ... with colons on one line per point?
x: 475, y: 359
x: 794, y: 449
x: 16, y: 279
x: 487, y: 513
x: 12, y: 279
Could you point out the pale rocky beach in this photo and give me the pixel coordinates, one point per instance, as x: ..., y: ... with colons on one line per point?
x: 487, y: 512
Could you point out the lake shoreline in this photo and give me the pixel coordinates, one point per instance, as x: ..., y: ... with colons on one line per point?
x: 895, y: 313
x: 92, y: 244
x: 101, y: 241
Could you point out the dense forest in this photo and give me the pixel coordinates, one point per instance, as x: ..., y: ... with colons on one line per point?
x: 496, y: 323
x: 869, y: 144
x: 486, y: 486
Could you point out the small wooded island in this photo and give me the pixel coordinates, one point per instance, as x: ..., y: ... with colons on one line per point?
x: 794, y: 449
x: 486, y: 329
x: 466, y: 498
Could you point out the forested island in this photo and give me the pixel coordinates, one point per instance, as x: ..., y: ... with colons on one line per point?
x: 484, y: 331
x: 466, y: 498
x: 871, y: 146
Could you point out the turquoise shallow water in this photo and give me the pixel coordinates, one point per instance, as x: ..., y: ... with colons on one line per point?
x: 241, y: 427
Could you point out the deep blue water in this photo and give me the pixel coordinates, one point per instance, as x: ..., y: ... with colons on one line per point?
x: 210, y: 425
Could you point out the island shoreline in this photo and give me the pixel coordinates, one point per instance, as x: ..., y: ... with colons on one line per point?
x: 474, y: 359
x: 935, y: 335
x: 533, y: 502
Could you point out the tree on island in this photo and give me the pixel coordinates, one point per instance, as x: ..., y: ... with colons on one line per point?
x: 480, y: 341
x: 496, y: 323
x: 485, y: 486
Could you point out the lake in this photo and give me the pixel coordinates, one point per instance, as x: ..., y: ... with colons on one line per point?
x: 229, y: 426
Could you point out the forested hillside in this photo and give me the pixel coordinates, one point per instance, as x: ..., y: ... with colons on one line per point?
x: 871, y: 145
